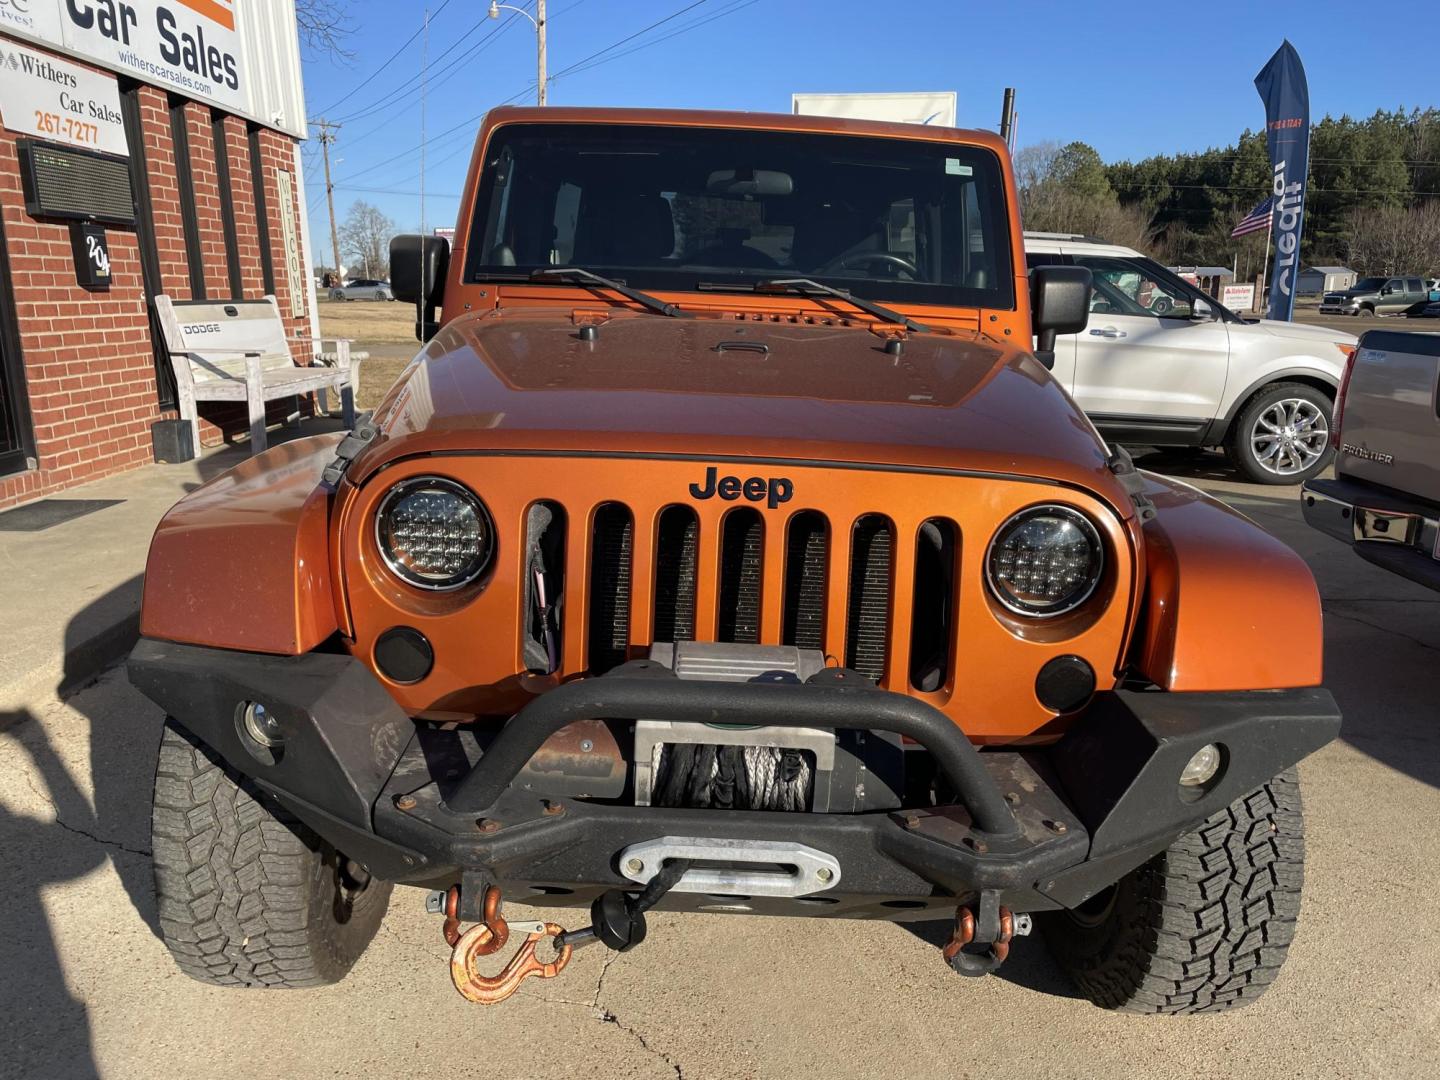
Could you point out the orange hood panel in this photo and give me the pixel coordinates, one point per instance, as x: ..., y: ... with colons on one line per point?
x: 768, y: 387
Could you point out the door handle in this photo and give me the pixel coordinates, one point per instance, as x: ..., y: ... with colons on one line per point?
x: 1108, y: 332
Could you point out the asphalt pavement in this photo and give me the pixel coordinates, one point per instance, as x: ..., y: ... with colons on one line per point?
x: 86, y: 988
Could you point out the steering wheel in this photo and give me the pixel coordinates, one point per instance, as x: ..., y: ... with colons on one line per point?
x: 860, y: 258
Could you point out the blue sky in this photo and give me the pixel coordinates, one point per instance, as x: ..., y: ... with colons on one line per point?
x: 1171, y: 78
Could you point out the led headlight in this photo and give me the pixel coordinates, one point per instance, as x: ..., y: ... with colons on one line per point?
x: 1044, y: 561
x: 434, y: 533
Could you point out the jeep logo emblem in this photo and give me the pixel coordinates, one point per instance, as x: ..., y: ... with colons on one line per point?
x: 773, y: 490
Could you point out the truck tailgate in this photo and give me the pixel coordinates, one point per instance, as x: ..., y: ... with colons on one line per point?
x: 1390, y: 431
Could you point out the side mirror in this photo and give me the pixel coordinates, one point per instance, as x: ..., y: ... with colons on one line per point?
x: 1201, y: 310
x: 418, y: 265
x: 1059, y: 304
x: 1386, y: 291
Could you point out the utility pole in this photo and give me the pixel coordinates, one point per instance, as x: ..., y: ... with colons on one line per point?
x: 538, y: 21
x: 540, y: 48
x: 1007, y: 118
x: 327, y: 136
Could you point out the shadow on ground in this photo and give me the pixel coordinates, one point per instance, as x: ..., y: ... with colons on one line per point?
x: 36, y: 854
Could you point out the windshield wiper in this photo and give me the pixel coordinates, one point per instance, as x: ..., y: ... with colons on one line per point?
x: 579, y: 273
x: 810, y: 287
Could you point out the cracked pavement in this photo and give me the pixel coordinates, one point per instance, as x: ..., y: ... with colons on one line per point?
x: 87, y: 989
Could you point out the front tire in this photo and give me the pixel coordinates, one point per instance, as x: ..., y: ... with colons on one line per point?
x: 247, y: 894
x: 1282, y: 435
x: 1203, y: 926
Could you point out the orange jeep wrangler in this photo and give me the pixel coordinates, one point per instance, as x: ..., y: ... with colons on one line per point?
x: 728, y: 547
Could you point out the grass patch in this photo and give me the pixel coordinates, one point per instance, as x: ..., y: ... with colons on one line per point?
x: 368, y: 322
x: 377, y: 375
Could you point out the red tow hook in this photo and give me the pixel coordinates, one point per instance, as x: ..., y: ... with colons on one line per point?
x: 489, y: 936
x: 999, y: 924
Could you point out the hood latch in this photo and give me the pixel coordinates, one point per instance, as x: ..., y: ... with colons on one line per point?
x: 358, y: 439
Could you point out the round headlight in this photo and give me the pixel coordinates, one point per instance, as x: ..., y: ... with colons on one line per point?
x: 1044, y: 561
x: 434, y: 533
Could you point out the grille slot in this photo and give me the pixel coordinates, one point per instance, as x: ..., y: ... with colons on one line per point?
x: 867, y: 628
x: 544, y: 587
x: 932, y: 615
x: 741, y: 540
x: 807, y: 547
x: 676, y: 555
x: 608, y: 632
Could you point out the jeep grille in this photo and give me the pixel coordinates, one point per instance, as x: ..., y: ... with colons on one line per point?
x: 865, y: 607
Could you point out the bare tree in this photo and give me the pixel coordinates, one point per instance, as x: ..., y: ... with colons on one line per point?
x: 365, y: 240
x: 323, y: 25
x: 1392, y: 240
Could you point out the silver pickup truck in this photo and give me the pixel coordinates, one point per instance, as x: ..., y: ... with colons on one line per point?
x: 1385, y: 497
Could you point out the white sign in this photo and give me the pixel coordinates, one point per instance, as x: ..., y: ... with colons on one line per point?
x: 293, y: 274
x: 190, y: 46
x: 52, y: 99
x: 935, y: 109
x: 1238, y: 297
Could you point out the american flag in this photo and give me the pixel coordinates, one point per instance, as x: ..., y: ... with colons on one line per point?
x: 1257, y: 219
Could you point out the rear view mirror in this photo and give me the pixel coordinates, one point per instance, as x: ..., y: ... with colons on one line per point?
x: 749, y: 182
x: 1059, y: 304
x: 418, y: 265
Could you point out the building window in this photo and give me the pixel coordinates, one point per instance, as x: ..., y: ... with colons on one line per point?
x: 257, y: 176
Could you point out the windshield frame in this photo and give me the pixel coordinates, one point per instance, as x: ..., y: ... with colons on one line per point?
x: 685, y: 278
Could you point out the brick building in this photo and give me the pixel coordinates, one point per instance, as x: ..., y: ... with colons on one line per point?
x: 209, y: 145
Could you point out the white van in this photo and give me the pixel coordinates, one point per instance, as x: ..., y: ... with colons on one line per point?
x: 1163, y: 364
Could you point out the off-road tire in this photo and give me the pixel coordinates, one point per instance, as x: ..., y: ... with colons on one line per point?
x: 1237, y: 440
x: 248, y: 895
x: 1202, y: 927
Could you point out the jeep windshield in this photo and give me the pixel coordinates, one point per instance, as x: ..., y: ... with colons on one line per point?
x: 660, y: 208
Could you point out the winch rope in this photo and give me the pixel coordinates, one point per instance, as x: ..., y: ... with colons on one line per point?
x: 705, y: 776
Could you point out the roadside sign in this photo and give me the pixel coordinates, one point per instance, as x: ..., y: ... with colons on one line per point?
x: 1238, y: 297
x: 934, y: 109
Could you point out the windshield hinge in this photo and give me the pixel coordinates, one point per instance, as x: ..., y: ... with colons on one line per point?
x: 1122, y: 465
x: 349, y: 449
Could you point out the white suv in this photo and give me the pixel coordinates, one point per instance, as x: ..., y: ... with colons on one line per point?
x: 1163, y: 364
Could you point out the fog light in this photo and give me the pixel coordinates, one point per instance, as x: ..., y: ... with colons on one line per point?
x: 261, y: 725
x: 1202, y: 766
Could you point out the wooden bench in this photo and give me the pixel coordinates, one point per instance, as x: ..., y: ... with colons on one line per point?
x: 237, y: 350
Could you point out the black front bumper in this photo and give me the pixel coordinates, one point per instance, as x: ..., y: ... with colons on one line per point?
x: 1389, y: 528
x: 425, y: 805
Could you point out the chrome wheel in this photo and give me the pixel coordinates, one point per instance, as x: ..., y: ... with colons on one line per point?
x: 1289, y: 436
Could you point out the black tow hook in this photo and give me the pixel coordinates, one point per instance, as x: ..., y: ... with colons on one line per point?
x: 617, y: 919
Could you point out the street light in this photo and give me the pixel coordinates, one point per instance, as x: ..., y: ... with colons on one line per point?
x: 539, y: 24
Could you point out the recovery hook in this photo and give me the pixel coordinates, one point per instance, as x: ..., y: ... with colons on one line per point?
x: 979, y: 945
x: 487, y: 937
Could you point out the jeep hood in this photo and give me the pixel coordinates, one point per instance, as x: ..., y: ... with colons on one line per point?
x: 774, y: 387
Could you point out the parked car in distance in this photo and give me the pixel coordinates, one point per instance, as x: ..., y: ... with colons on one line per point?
x: 1385, y: 496
x: 362, y: 289
x: 1163, y: 364
x: 1430, y: 310
x: 1376, y: 296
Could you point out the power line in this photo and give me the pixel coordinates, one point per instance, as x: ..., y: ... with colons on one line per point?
x: 405, y: 90
x: 696, y: 24
x: 408, y: 42
x: 608, y: 48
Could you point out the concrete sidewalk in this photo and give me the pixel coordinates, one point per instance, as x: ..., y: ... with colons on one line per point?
x: 70, y: 593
